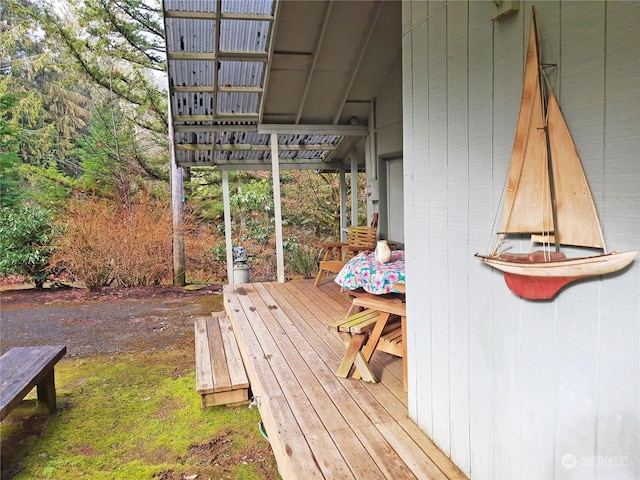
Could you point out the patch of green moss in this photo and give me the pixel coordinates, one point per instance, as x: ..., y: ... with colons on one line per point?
x: 135, y: 416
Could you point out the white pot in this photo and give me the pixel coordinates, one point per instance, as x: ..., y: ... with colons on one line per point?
x: 383, y: 252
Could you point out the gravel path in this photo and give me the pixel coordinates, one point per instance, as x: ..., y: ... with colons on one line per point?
x: 109, y: 322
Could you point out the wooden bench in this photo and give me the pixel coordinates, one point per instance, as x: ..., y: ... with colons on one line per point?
x: 220, y: 375
x: 387, y: 340
x: 368, y: 324
x: 382, y: 324
x: 22, y: 369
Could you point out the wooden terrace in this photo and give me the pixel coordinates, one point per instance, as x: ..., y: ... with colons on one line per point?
x: 320, y: 425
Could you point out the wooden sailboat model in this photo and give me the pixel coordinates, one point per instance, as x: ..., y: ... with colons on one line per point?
x: 548, y: 197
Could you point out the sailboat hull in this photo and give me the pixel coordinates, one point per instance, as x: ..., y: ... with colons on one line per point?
x: 534, y: 278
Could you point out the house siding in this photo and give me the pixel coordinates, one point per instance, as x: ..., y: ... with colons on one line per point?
x: 388, y: 143
x: 511, y: 388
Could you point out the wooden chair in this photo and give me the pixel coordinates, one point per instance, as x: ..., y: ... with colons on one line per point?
x: 336, y: 254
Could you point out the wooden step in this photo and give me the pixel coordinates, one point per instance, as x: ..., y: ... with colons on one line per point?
x: 220, y: 375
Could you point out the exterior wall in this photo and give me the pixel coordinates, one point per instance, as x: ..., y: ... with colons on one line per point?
x: 388, y: 141
x: 511, y: 388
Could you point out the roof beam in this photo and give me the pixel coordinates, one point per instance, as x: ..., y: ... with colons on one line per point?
x: 192, y: 15
x: 224, y: 117
x: 211, y: 89
x: 266, y: 165
x: 316, y: 49
x: 267, y: 68
x: 226, y: 55
x: 247, y: 147
x: 373, y: 20
x: 214, y: 128
x: 341, y: 130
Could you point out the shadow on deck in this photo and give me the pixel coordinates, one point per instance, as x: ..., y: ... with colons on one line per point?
x: 320, y: 425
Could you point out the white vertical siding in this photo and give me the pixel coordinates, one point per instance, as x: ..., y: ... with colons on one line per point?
x: 436, y: 248
x: 618, y: 355
x: 410, y: 147
x: 512, y: 388
x: 416, y: 157
x: 481, y: 213
x: 458, y: 229
x: 506, y: 375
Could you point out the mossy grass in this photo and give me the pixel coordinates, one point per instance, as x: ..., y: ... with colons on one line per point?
x: 133, y: 416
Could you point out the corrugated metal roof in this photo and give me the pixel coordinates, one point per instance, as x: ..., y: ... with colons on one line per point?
x: 223, y: 56
x: 216, y: 74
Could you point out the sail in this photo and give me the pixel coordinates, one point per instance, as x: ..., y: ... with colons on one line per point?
x: 527, y: 207
x: 576, y: 214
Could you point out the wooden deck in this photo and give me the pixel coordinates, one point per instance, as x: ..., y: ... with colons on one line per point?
x: 320, y: 425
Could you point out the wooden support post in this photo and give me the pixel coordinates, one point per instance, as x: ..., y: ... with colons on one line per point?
x: 47, y: 391
x: 277, y: 209
x: 177, y: 212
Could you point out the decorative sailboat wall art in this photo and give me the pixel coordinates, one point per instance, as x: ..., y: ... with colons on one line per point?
x: 547, y: 196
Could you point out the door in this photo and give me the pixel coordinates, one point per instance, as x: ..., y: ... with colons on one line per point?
x: 395, y: 201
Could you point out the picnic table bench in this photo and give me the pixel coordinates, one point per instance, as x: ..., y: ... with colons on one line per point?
x: 22, y: 368
x: 382, y: 324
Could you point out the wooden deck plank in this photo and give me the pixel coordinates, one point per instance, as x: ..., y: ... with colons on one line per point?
x: 237, y: 373
x: 293, y: 450
x: 218, y: 358
x: 331, y: 386
x: 392, y: 377
x: 391, y: 465
x: 320, y: 405
x: 370, y: 407
x: 392, y: 396
x: 322, y: 426
x: 420, y: 463
x: 283, y: 302
x: 432, y: 451
x: 204, y: 375
x: 349, y: 441
x: 385, y: 455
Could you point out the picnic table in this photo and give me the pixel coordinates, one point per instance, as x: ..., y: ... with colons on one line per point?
x: 382, y: 325
x: 363, y: 271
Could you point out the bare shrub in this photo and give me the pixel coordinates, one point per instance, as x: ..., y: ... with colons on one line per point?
x: 102, y: 243
x: 81, y: 248
x: 142, y: 250
x: 204, y: 262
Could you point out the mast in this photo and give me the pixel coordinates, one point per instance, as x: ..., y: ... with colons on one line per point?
x: 542, y: 81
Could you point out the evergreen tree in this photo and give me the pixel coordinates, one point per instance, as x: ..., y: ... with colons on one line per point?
x: 9, y: 160
x: 120, y: 47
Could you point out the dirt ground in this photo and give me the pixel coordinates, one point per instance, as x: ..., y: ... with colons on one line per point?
x: 114, y: 320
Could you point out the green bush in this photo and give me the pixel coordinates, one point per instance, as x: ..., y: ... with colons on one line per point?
x: 26, y: 242
x: 301, y: 259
